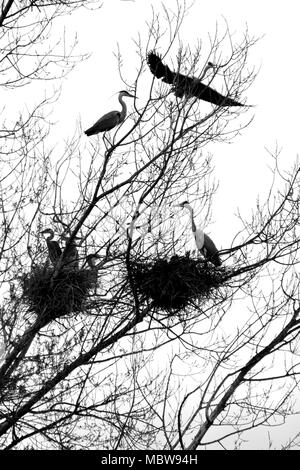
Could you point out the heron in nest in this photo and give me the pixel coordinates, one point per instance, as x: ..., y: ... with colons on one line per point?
x: 203, y: 242
x: 70, y: 254
x: 94, y: 268
x: 54, y: 249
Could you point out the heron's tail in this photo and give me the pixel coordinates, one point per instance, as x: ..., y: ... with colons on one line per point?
x: 89, y: 131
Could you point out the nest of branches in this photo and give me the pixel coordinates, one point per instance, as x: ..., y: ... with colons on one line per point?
x: 51, y: 295
x: 174, y: 284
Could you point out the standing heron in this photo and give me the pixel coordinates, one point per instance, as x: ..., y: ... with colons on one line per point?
x: 93, y: 274
x: 111, y: 119
x: 185, y: 85
x: 203, y: 242
x: 70, y: 255
x: 91, y: 260
x: 54, y: 249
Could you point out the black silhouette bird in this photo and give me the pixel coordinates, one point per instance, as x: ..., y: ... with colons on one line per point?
x: 54, y: 249
x: 91, y: 261
x: 70, y: 255
x: 185, y: 85
x: 111, y: 119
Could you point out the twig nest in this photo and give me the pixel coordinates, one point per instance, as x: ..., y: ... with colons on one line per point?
x: 52, y: 296
x: 174, y: 284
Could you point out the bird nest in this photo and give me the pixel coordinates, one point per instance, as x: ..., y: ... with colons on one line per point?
x: 176, y: 283
x: 52, y: 295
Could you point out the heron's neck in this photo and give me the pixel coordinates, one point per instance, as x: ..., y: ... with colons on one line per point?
x: 209, y: 66
x: 192, y: 218
x: 124, y: 107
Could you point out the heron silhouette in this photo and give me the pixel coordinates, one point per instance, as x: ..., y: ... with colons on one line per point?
x: 185, y: 85
x: 111, y: 119
x: 54, y: 249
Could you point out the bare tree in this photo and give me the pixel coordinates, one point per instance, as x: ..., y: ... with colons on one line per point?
x: 29, y: 56
x: 88, y: 360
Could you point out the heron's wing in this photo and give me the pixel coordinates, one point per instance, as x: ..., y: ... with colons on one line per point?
x: 158, y: 69
x: 204, y: 92
x: 56, y: 248
x: 105, y: 123
x: 54, y: 251
x: 71, y: 257
x: 210, y: 251
x: 209, y: 244
x: 185, y: 85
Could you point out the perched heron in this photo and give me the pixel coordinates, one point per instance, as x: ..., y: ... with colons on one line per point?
x: 70, y: 256
x: 203, y: 242
x: 112, y: 119
x: 54, y: 249
x: 91, y: 261
x: 185, y: 85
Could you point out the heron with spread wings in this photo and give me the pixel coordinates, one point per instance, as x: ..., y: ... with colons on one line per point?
x: 185, y: 85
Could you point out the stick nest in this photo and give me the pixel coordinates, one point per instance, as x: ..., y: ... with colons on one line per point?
x: 174, y: 284
x: 52, y: 297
